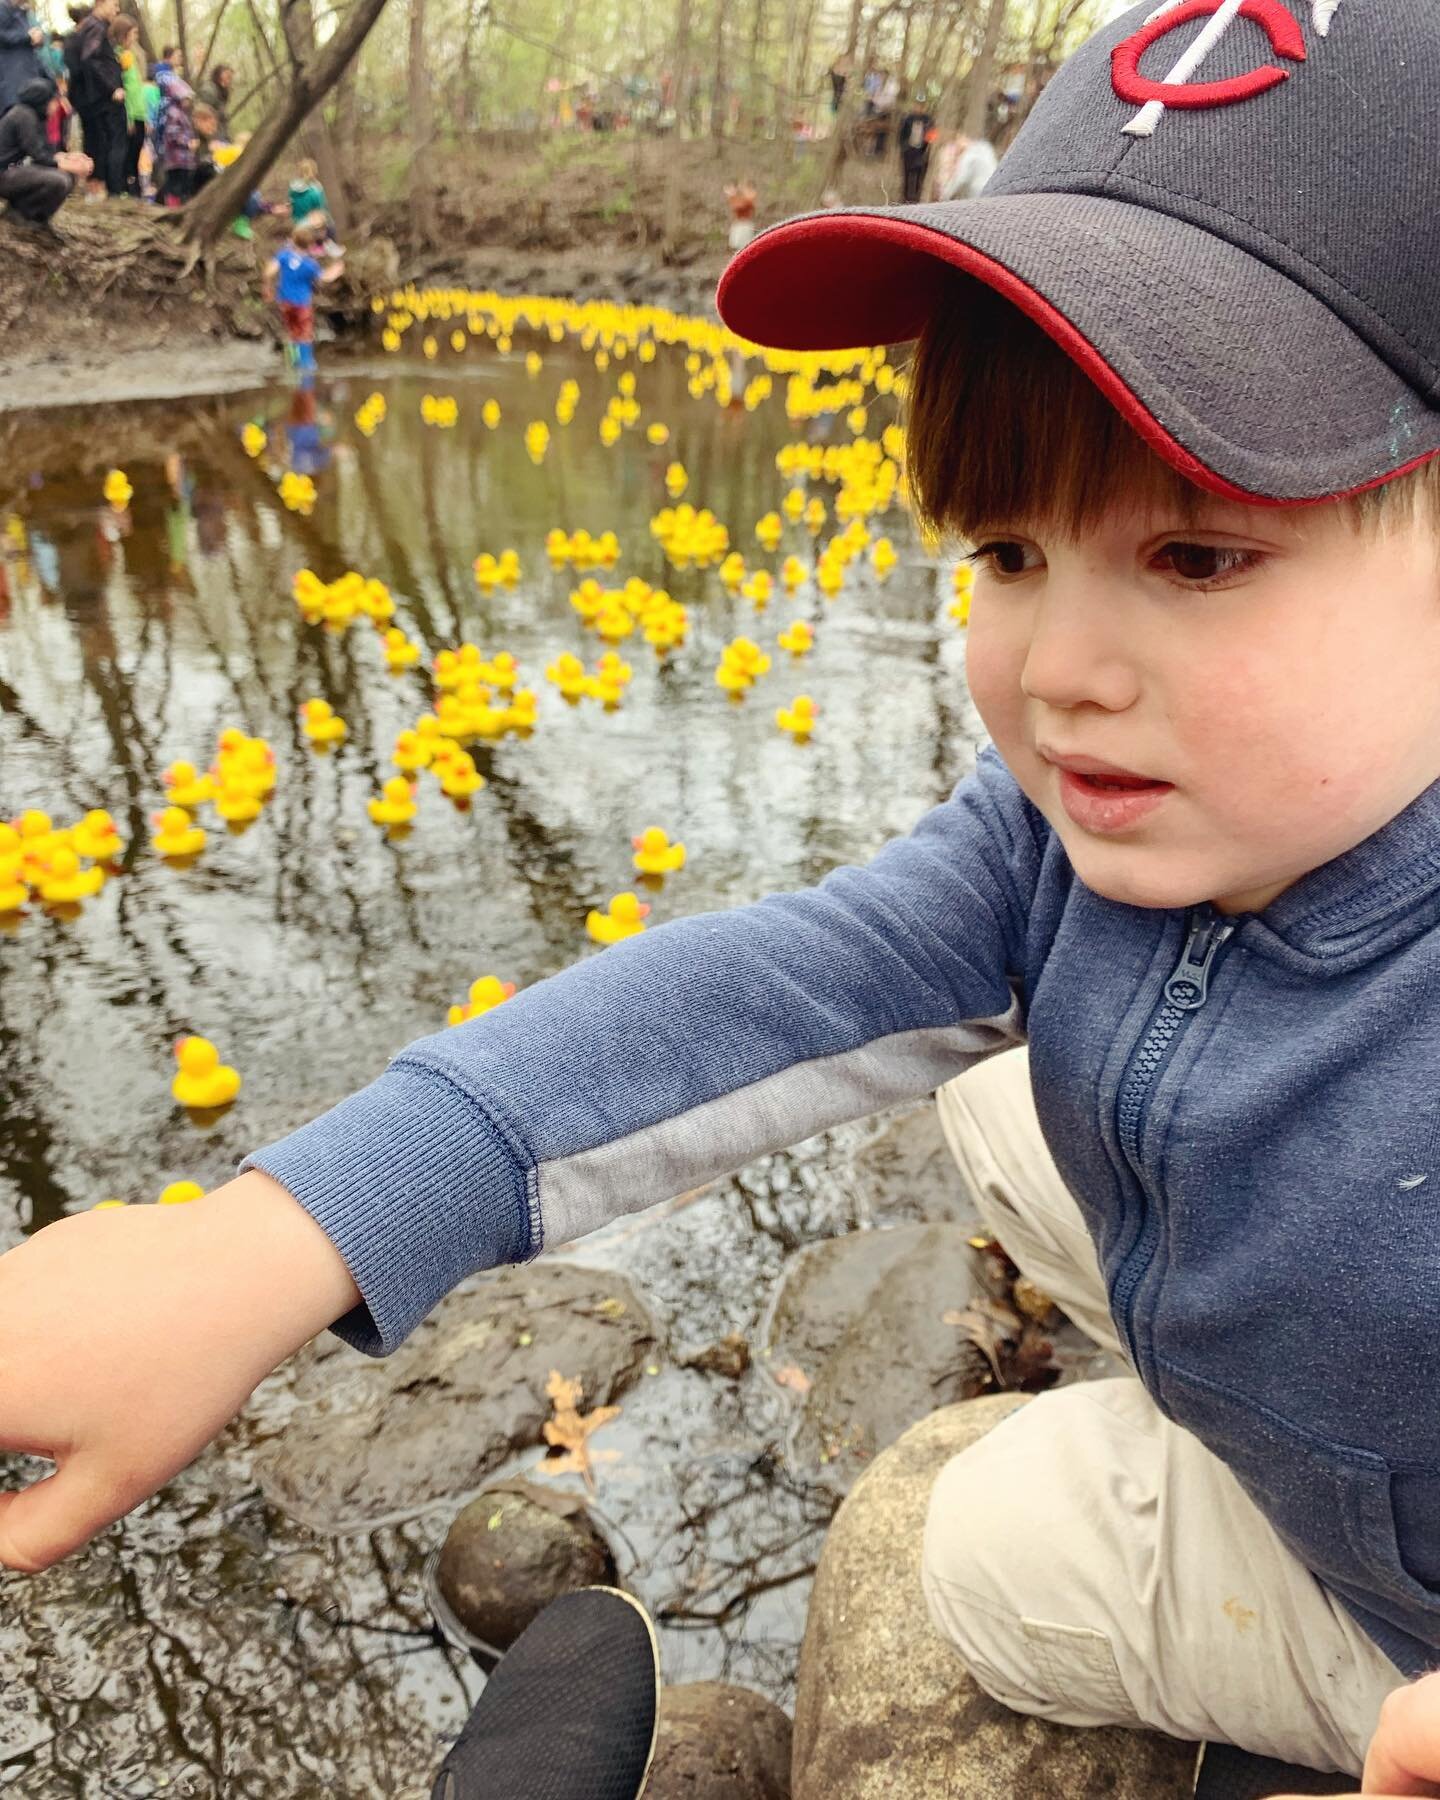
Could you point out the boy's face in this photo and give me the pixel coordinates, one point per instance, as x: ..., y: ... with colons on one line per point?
x: 1272, y: 675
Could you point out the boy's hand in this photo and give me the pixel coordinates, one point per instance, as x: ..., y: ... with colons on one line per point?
x: 129, y: 1337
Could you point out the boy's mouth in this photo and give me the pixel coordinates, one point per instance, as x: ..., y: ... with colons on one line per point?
x: 1103, y: 777
x: 1101, y: 798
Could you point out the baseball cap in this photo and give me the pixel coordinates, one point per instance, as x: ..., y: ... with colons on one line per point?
x: 1227, y: 213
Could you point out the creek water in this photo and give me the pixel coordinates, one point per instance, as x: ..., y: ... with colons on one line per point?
x: 207, y: 1643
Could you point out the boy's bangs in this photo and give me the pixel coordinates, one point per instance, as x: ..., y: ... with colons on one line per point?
x: 1004, y: 429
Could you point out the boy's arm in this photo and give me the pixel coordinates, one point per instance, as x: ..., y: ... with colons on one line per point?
x: 671, y: 1058
x: 270, y: 277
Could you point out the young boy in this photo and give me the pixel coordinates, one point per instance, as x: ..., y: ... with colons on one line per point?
x: 292, y: 275
x: 1178, y: 380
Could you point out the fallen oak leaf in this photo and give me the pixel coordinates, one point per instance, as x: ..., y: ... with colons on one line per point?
x: 569, y: 1431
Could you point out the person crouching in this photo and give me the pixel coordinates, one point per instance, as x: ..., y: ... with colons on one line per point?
x: 34, y: 178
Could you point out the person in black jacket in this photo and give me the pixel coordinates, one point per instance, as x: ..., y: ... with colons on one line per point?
x: 34, y: 179
x: 99, y: 95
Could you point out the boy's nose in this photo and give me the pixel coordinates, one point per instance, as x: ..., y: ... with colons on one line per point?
x: 1074, y: 659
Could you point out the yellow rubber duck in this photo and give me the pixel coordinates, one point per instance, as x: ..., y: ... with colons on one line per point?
x: 487, y: 571
x: 202, y: 1081
x: 412, y: 752
x: 396, y: 805
x: 117, y: 489
x: 502, y: 671
x: 65, y: 882
x: 187, y: 786
x: 522, y: 711
x: 323, y: 725
x: 236, y: 803
x: 759, y: 588
x: 38, y: 841
x: 799, y: 640
x: 799, y: 717
x: 454, y: 668
x: 490, y: 413
x: 13, y: 891
x: 252, y: 438
x: 676, y: 480
x: 250, y: 765
x: 793, y: 505
x: 567, y: 673
x: 655, y: 854
x: 537, y: 440
x: 768, y: 530
x: 657, y: 433
x: 376, y: 602
x: 176, y: 835
x: 533, y: 360
x: 178, y: 1193
x: 883, y: 555
x: 624, y: 917
x: 95, y: 838
x: 459, y: 778
x: 486, y: 994
x: 400, y: 652
x: 793, y: 574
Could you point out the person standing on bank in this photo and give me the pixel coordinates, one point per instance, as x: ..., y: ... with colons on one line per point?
x: 100, y: 97
x: 34, y: 179
x: 917, y: 128
x: 20, y: 41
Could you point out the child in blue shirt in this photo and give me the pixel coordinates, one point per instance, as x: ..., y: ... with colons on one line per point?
x: 291, y: 278
x: 1179, y: 385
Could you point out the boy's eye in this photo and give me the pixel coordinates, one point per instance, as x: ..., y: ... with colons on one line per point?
x: 1002, y: 556
x: 1205, y: 564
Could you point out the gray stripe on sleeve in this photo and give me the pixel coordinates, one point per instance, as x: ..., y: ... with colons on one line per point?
x: 584, y: 1191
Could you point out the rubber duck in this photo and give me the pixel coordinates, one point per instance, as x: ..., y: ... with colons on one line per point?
x: 522, y: 711
x: 799, y: 717
x: 793, y: 574
x: 65, y: 882
x: 95, y: 838
x: 557, y: 545
x: 252, y: 438
x: 322, y: 724
x: 768, y: 531
x: 236, y: 803
x: 609, y: 432
x: 486, y: 994
x: 829, y: 577
x: 883, y: 556
x: 814, y: 514
x: 454, y: 668
x: 793, y: 505
x: 178, y: 1193
x: 509, y: 567
x: 175, y: 834
x: 502, y: 671
x: 533, y: 360
x: 655, y: 854
x: 657, y: 433
x: 537, y: 440
x: 187, y: 786
x: 799, y: 640
x: 38, y: 841
x: 117, y: 489
x: 676, y: 480
x: 250, y: 765
x: 567, y: 673
x: 412, y: 752
x: 624, y: 917
x: 376, y: 601
x: 487, y: 571
x: 759, y: 588
x: 459, y: 778
x: 202, y: 1082
x: 396, y: 805
x: 490, y: 413
x: 14, y: 891
x: 400, y: 652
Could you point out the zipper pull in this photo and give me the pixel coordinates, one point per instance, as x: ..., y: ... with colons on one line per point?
x: 1189, y: 983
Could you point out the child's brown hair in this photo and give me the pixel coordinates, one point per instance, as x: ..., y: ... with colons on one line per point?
x: 305, y: 237
x: 1003, y: 428
x: 121, y: 28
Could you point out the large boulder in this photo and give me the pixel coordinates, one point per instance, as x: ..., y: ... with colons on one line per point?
x: 718, y: 1742
x: 865, y: 1327
x: 886, y: 1708
x: 376, y: 1441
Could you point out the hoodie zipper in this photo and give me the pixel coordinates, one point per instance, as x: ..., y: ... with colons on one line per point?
x: 1185, y: 992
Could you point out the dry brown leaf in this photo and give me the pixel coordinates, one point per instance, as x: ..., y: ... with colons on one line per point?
x: 792, y: 1377
x: 570, y: 1429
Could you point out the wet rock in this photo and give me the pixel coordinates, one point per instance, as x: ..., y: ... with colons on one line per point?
x: 728, y: 1356
x: 907, y: 1172
x: 511, y: 1551
x: 860, y: 1328
x: 886, y: 1707
x: 378, y: 1441
x: 718, y: 1742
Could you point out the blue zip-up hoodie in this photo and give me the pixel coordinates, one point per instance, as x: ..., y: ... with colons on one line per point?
x: 1243, y: 1108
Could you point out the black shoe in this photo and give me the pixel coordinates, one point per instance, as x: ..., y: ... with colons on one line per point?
x: 1230, y: 1774
x: 571, y: 1711
x: 37, y: 227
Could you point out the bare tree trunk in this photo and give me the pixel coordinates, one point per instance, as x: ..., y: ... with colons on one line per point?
x: 208, y: 216
x: 681, y: 64
x: 209, y: 50
x: 180, y: 36
x: 297, y: 21
x: 982, y: 72
x: 720, y: 80
x: 422, y: 127
x: 754, y: 114
x: 904, y: 63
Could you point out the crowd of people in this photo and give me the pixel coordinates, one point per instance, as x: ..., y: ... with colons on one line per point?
x: 86, y: 107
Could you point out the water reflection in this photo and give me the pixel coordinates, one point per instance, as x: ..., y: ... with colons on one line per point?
x: 312, y: 945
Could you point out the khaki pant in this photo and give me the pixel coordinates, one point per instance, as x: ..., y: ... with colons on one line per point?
x: 1093, y: 1562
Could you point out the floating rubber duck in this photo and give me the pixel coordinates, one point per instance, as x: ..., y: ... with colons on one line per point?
x: 376, y: 602
x: 793, y: 505
x: 178, y: 1193
x: 95, y: 838
x: 537, y: 440
x: 176, y: 835
x: 400, y: 651
x: 202, y: 1081
x: 323, y: 725
x: 609, y: 432
x: 799, y: 717
x: 799, y: 640
x: 793, y: 574
x: 412, y: 752
x: 567, y: 673
x: 533, y: 360
x: 248, y: 764
x: 624, y: 917
x: 65, y: 882
x: 490, y: 414
x: 522, y: 711
x: 14, y: 890
x: 655, y: 854
x: 883, y: 556
x: 236, y: 803
x: 117, y: 489
x: 657, y: 433
x: 502, y: 671
x: 741, y: 663
x: 187, y: 786
x: 759, y: 588
x: 459, y: 778
x: 768, y: 531
x: 396, y: 805
x: 486, y: 994
x: 676, y: 480
x: 38, y: 841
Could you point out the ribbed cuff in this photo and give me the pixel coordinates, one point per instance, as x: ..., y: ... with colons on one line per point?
x: 415, y: 1187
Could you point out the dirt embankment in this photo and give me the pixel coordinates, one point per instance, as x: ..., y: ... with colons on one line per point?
x: 124, y: 308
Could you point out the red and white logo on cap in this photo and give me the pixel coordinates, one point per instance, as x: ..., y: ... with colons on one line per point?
x: 1178, y: 88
